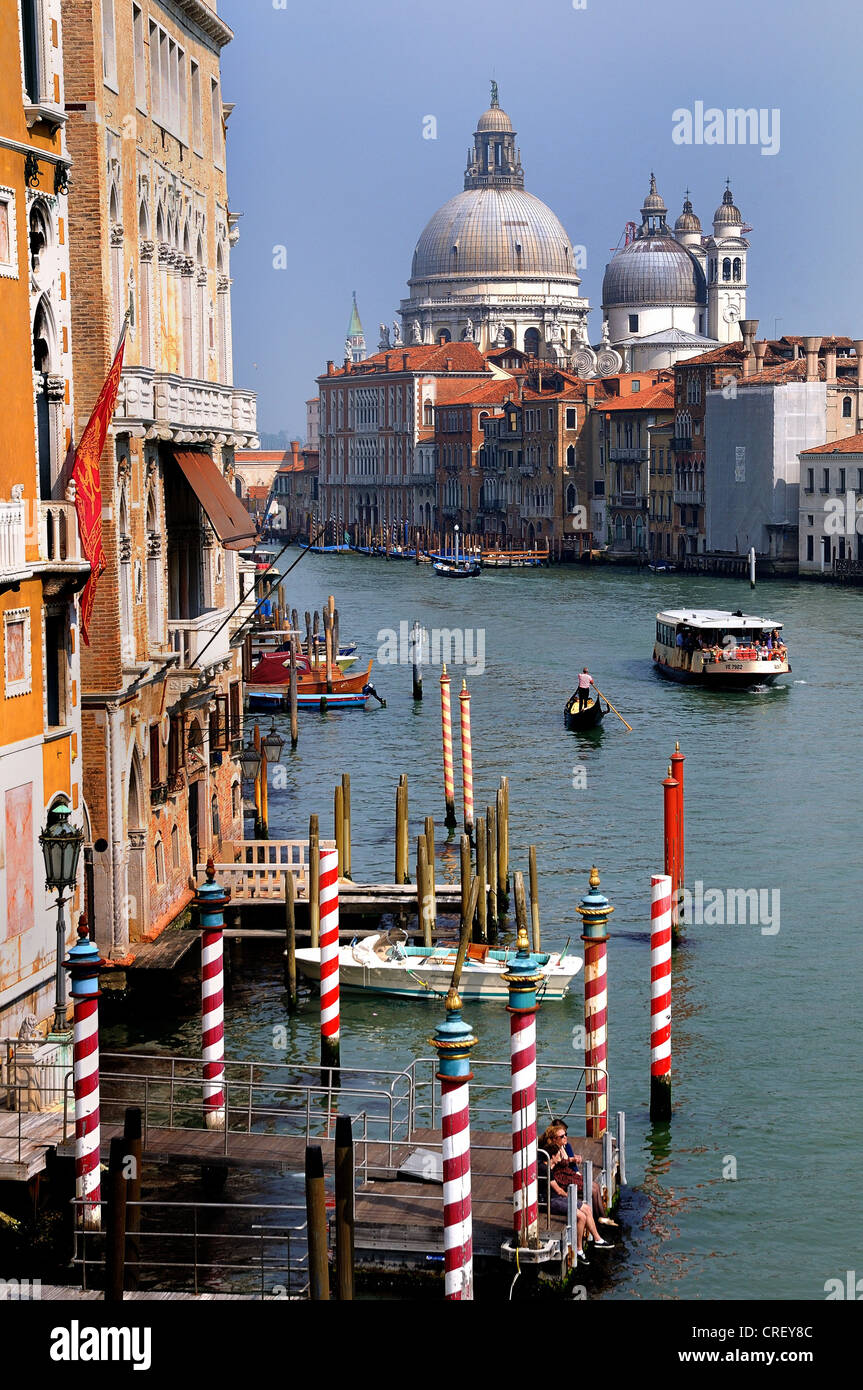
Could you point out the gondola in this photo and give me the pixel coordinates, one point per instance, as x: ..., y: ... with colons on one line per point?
x: 458, y: 569
x: 587, y: 718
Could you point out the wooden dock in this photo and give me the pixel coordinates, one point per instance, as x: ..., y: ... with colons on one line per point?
x: 24, y: 1142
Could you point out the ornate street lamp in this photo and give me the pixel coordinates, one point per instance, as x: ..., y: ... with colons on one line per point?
x: 250, y: 761
x: 61, y: 847
x: 272, y: 744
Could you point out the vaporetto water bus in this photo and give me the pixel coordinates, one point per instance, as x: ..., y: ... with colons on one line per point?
x: 714, y: 648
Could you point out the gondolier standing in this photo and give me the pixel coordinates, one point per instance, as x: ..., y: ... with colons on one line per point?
x: 585, y: 681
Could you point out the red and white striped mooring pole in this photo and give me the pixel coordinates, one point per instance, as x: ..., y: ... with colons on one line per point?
x: 453, y: 1040
x: 660, y: 997
x: 595, y: 910
x: 84, y: 964
x: 211, y: 901
x: 446, y: 731
x: 466, y: 758
x: 329, y: 938
x: 522, y: 978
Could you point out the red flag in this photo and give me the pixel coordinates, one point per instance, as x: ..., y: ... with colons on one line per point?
x: 88, y: 484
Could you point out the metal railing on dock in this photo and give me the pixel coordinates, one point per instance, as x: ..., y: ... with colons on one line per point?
x: 267, y: 1259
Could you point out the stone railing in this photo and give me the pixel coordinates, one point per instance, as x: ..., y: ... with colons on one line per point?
x: 59, y: 540
x: 191, y: 638
x: 13, y: 539
x: 183, y: 404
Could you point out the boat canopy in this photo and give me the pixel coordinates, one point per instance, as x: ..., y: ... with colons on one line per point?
x: 711, y: 618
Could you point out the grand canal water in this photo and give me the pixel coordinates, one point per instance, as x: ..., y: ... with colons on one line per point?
x: 766, y: 1027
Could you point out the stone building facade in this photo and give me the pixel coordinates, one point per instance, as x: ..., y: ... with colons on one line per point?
x: 41, y: 569
x: 376, y: 422
x: 151, y: 225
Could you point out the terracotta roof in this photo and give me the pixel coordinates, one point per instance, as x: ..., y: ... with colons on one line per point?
x: 473, y: 392
x: 780, y: 373
x: 851, y: 444
x: 260, y: 455
x: 658, y: 397
x: 258, y: 494
x: 465, y: 357
x: 289, y: 466
x: 728, y: 352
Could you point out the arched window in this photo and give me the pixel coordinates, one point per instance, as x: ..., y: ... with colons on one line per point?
x: 214, y: 817
x: 145, y: 286
x: 236, y: 801
x: 444, y: 336
x: 618, y: 529
x: 222, y: 326
x: 186, y: 277
x: 200, y: 312
x: 726, y: 268
x: 846, y: 407
x: 127, y: 634
x: 175, y: 847
x: 738, y: 266
x: 571, y: 498
x: 570, y: 456
x: 50, y: 393
x: 160, y: 861
x: 428, y: 413
x: 531, y: 342
x: 154, y: 572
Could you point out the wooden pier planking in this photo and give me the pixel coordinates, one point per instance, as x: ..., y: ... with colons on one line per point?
x: 40, y: 1131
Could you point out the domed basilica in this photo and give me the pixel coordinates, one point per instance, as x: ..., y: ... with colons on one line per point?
x: 495, y: 266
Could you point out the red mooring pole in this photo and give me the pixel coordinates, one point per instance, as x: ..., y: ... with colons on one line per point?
x: 677, y: 761
x: 670, y: 807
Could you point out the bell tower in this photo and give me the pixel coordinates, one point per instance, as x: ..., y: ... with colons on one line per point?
x: 726, y: 271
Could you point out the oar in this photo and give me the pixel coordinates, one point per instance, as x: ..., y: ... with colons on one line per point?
x: 611, y: 707
x: 467, y: 921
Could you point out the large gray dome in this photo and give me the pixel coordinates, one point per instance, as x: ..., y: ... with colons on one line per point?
x: 494, y: 231
x: 653, y: 270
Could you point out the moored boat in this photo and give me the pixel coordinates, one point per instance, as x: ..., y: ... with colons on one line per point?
x: 715, y: 648
x: 269, y: 686
x: 383, y: 964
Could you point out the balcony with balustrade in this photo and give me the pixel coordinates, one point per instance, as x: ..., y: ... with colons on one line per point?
x: 162, y: 405
x: 200, y: 642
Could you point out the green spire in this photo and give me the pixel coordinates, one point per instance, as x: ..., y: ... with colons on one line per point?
x: 355, y: 329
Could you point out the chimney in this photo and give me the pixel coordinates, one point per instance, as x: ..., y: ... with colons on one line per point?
x: 387, y: 362
x: 347, y: 366
x: 295, y: 452
x: 404, y: 361
x: 330, y: 369
x: 760, y: 354
x: 449, y: 364
x: 858, y: 348
x: 811, y: 345
x: 748, y: 327
x: 830, y: 359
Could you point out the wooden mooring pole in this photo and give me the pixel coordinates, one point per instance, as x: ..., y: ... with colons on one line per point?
x: 133, y: 1148
x: 344, y: 1176
x: 534, y: 898
x: 316, y: 1219
x: 491, y: 837
x: 482, y: 875
x: 424, y: 897
x: 115, y: 1236
x: 346, y: 832
x: 290, y: 942
x: 416, y: 660
x: 402, y: 849
x: 339, y: 825
x: 314, y: 881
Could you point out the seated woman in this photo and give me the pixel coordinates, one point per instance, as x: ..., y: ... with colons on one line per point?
x: 565, y: 1173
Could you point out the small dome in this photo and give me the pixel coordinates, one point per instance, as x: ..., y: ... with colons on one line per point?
x: 653, y: 270
x: 688, y: 221
x: 654, y: 201
x: 727, y: 214
x: 494, y: 119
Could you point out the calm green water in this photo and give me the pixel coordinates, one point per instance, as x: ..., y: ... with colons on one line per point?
x: 765, y: 1027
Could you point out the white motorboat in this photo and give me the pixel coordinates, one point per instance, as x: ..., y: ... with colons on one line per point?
x: 714, y: 648
x: 384, y: 964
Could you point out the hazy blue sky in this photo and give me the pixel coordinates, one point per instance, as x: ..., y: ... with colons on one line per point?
x: 326, y: 155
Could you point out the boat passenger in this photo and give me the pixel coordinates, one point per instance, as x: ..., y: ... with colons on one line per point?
x: 585, y: 681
